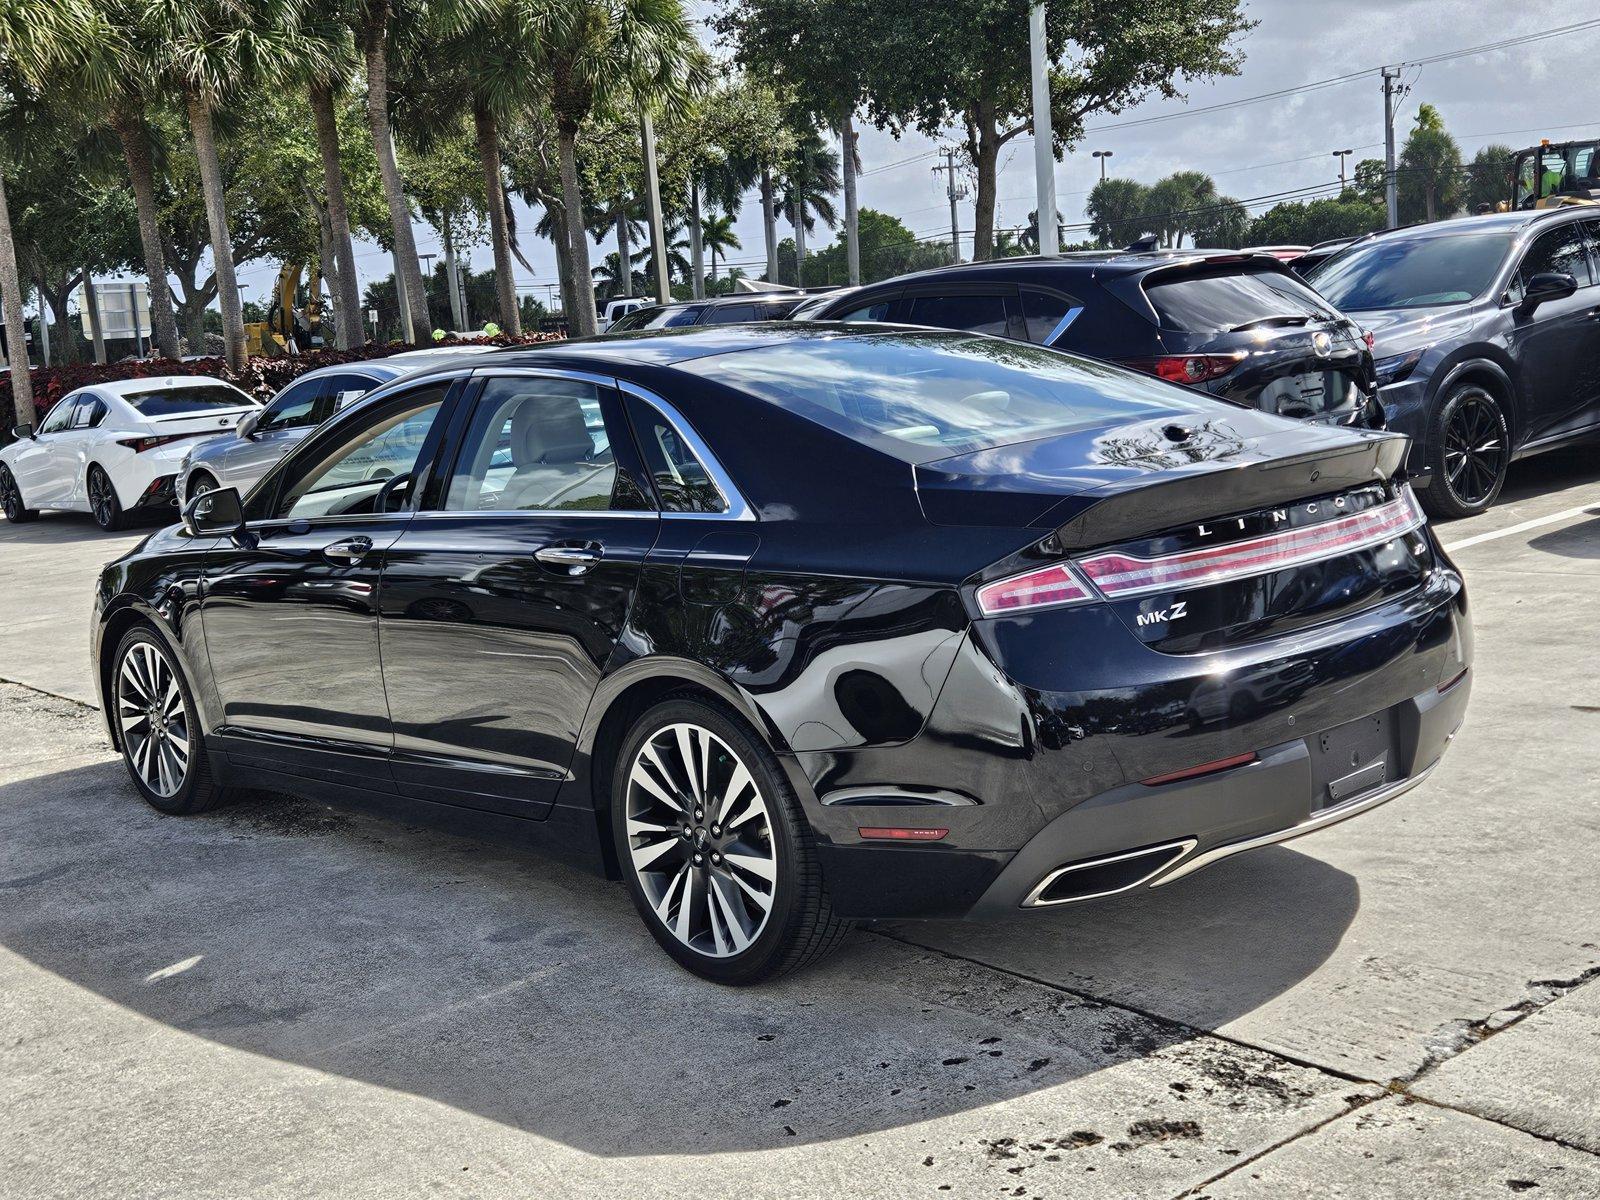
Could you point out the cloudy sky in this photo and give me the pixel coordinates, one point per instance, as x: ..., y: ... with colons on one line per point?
x: 1546, y: 88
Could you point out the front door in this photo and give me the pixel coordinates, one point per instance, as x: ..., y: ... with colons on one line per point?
x: 290, y: 612
x: 35, y: 464
x: 504, y: 598
x: 1558, y: 342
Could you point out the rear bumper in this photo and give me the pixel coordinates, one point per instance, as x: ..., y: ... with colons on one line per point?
x: 1026, y: 781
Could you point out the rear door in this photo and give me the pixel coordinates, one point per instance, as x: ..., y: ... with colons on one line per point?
x: 504, y: 599
x: 1558, y: 343
x: 972, y: 308
x: 69, y: 452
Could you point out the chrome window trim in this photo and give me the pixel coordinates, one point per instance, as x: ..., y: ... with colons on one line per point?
x: 738, y: 509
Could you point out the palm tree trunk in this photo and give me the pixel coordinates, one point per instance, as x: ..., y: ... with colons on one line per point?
x: 405, y: 243
x: 622, y: 285
x: 769, y: 224
x: 16, y: 335
x: 346, y: 291
x: 135, y: 138
x: 91, y: 299
x: 505, y: 286
x: 852, y: 232
x: 581, y: 321
x: 205, y: 150
x: 697, y: 262
x: 798, y: 217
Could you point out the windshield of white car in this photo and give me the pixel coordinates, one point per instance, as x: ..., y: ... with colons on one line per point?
x: 174, y: 402
x: 1412, y: 272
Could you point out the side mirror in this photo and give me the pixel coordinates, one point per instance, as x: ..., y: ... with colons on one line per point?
x: 215, y: 513
x: 247, y: 425
x: 21, y: 431
x: 1546, y: 285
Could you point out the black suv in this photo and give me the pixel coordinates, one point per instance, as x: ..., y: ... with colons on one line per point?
x: 1488, y: 340
x: 1240, y: 326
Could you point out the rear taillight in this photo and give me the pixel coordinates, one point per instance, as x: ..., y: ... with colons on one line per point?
x: 1046, y: 587
x: 1120, y: 575
x: 1187, y: 368
x: 141, y: 444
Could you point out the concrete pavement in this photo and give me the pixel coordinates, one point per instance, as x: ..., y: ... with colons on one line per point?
x: 279, y: 999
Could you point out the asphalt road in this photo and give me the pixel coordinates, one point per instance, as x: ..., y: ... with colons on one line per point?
x: 281, y: 1000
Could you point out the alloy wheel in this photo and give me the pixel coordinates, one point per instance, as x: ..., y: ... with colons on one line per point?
x: 202, y: 484
x: 701, y: 840
x: 10, y: 497
x: 1475, y: 448
x: 101, y: 499
x: 153, y: 719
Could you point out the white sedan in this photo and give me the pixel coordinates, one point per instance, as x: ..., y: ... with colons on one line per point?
x: 112, y: 448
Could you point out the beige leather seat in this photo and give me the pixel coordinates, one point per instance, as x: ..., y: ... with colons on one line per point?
x: 551, y: 449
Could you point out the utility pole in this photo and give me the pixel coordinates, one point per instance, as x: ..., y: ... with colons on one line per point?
x: 1391, y: 76
x: 1044, y: 157
x: 658, y: 236
x: 956, y: 191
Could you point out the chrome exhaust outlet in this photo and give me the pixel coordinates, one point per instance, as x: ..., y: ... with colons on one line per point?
x: 1095, y: 878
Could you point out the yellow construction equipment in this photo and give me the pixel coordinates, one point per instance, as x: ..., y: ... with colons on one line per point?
x: 289, y: 328
x: 1553, y: 175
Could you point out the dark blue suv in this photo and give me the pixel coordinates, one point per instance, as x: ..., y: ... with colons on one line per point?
x: 1487, y: 340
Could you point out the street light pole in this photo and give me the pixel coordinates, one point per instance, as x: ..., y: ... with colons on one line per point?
x: 1044, y: 158
x: 1342, y: 156
x: 1390, y: 198
x: 1102, y: 155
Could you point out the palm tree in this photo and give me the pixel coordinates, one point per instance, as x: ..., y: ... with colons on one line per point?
x: 205, y: 50
x: 596, y: 55
x: 806, y: 190
x: 612, y: 280
x: 326, y: 75
x: 35, y: 42
x: 716, y: 233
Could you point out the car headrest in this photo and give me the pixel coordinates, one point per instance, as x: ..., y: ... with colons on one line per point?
x: 549, y: 429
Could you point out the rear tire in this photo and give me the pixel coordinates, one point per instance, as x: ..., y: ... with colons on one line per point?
x: 717, y: 855
x: 11, y: 499
x: 103, y: 502
x: 158, y: 727
x: 1469, y: 450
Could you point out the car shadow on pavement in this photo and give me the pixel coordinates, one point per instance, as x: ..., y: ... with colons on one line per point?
x: 1572, y: 541
x: 524, y: 992
x: 56, y: 527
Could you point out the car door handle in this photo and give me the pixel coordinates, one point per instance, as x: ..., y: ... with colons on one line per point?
x: 349, y: 552
x: 577, y: 559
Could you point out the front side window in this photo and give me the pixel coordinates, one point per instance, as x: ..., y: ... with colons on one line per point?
x: 878, y: 310
x: 1561, y: 251
x: 538, y: 445
x: 60, y: 417
x: 367, y: 471
x: 176, y: 401
x: 972, y: 314
x: 301, y: 407
x: 682, y: 481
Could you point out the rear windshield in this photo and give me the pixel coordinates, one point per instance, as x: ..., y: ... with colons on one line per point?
x: 923, y: 396
x: 171, y: 402
x: 1413, y: 272
x: 1222, y: 302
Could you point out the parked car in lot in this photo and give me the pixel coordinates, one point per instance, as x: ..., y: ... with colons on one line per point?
x: 114, y: 448
x: 714, y: 310
x: 1487, y: 338
x: 239, y: 459
x: 1240, y: 326
x: 960, y: 648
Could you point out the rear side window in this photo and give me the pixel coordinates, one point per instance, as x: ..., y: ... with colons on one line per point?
x: 731, y: 314
x: 303, y: 406
x: 970, y: 313
x: 347, y: 389
x: 1560, y: 250
x: 681, y: 479
x: 1222, y: 302
x: 1045, y: 315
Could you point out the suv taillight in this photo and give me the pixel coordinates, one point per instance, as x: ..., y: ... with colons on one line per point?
x: 1186, y: 368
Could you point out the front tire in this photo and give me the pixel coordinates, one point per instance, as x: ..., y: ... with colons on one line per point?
x: 1469, y: 450
x: 159, y: 728
x: 715, y: 851
x: 200, y: 483
x: 103, y: 502
x: 11, y: 499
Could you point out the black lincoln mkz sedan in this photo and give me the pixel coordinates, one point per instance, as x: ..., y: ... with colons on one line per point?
x: 792, y: 625
x: 1488, y: 341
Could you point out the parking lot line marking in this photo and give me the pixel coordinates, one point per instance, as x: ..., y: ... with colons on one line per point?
x: 1563, y: 515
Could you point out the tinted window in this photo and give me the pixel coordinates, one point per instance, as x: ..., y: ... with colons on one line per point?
x: 1412, y: 272
x: 171, y: 402
x: 537, y: 444
x: 348, y: 476
x: 973, y: 314
x: 89, y: 412
x: 1219, y: 302
x: 926, y: 396
x: 59, y: 417
x: 304, y: 405
x: 681, y: 479
x: 731, y: 314
x: 878, y: 310
x: 659, y: 317
x: 347, y: 389
x: 1560, y: 250
x: 1043, y: 313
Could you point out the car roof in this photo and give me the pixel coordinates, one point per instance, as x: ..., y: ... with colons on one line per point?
x: 1486, y: 222
x: 736, y: 298
x: 1102, y: 262
x: 667, y: 347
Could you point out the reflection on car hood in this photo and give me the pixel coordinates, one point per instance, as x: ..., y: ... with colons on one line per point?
x: 1399, y: 330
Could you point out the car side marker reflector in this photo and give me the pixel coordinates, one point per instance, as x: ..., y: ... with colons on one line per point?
x: 899, y: 833
x: 1450, y: 683
x: 1210, y: 768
